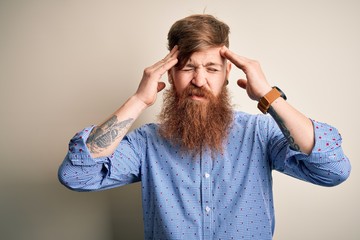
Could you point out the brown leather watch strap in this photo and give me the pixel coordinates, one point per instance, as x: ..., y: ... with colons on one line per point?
x: 265, y: 101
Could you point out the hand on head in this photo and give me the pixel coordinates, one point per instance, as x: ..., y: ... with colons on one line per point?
x: 151, y: 82
x: 255, y: 83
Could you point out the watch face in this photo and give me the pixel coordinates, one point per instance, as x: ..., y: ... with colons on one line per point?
x: 281, y: 92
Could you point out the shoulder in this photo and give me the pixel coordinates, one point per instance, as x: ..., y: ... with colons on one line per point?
x: 149, y: 130
x: 262, y: 125
x: 256, y: 120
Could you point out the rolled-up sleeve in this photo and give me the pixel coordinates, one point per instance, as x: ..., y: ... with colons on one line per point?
x: 80, y: 172
x: 326, y: 165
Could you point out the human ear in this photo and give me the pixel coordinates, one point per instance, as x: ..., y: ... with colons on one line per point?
x: 170, y: 76
x: 227, y: 73
x: 228, y: 69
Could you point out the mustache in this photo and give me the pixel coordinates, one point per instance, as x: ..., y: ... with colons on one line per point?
x: 192, y: 90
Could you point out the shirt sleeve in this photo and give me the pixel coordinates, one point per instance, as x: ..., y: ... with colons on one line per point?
x: 80, y: 172
x: 326, y: 165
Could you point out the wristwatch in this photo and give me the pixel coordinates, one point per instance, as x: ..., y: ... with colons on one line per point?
x: 269, y: 98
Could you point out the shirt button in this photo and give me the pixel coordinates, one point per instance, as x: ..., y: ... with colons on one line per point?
x: 207, y: 209
x: 207, y: 175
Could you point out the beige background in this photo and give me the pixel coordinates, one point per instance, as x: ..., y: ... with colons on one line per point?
x: 67, y: 64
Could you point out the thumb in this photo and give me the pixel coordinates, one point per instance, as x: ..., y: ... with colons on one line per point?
x: 161, y: 86
x: 242, y: 83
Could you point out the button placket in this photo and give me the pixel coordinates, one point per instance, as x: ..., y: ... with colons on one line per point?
x: 206, y: 166
x: 207, y: 209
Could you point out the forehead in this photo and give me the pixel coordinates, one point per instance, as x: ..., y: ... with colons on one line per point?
x: 210, y: 55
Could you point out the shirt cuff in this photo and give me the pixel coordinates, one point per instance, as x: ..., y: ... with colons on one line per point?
x: 327, y: 146
x: 79, y: 153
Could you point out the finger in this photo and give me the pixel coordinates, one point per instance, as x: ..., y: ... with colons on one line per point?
x: 168, y: 62
x: 161, y: 86
x: 239, y: 61
x: 172, y: 54
x: 242, y: 83
x: 174, y: 50
x: 166, y: 66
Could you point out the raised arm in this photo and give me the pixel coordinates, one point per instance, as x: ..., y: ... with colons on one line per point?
x: 296, y: 127
x: 105, y: 137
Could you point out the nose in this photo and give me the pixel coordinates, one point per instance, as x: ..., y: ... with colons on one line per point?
x: 199, y: 78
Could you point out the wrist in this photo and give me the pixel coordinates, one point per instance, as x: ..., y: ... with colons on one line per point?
x: 263, y: 92
x: 141, y: 100
x: 137, y: 102
x: 266, y: 101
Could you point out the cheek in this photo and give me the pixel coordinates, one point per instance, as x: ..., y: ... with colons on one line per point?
x: 180, y: 87
x: 181, y: 81
x: 217, y: 84
x: 217, y: 90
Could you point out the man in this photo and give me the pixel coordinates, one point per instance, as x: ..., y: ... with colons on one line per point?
x: 205, y: 169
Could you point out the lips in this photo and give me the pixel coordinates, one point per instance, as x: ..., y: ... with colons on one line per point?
x: 199, y: 95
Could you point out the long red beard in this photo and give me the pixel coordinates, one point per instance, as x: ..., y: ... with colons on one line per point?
x: 195, y: 125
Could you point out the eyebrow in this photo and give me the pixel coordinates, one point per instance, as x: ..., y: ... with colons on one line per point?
x: 209, y: 64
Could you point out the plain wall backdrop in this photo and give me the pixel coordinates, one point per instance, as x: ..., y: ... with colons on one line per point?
x: 67, y: 64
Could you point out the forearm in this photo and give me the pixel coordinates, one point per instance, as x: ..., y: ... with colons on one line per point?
x: 105, y: 137
x: 296, y: 127
x: 327, y: 165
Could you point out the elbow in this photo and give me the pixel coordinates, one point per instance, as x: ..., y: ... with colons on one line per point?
x: 329, y: 173
x: 81, y: 178
x: 341, y: 177
x: 344, y: 171
x: 335, y: 180
x: 337, y: 176
x: 67, y: 178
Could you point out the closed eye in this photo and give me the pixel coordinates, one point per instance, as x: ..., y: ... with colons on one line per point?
x: 212, y: 70
x: 187, y: 69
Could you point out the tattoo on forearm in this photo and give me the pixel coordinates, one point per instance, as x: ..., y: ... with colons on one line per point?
x: 284, y: 129
x: 104, y: 135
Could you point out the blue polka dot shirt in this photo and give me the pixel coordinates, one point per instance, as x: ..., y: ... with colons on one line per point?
x: 209, y: 196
